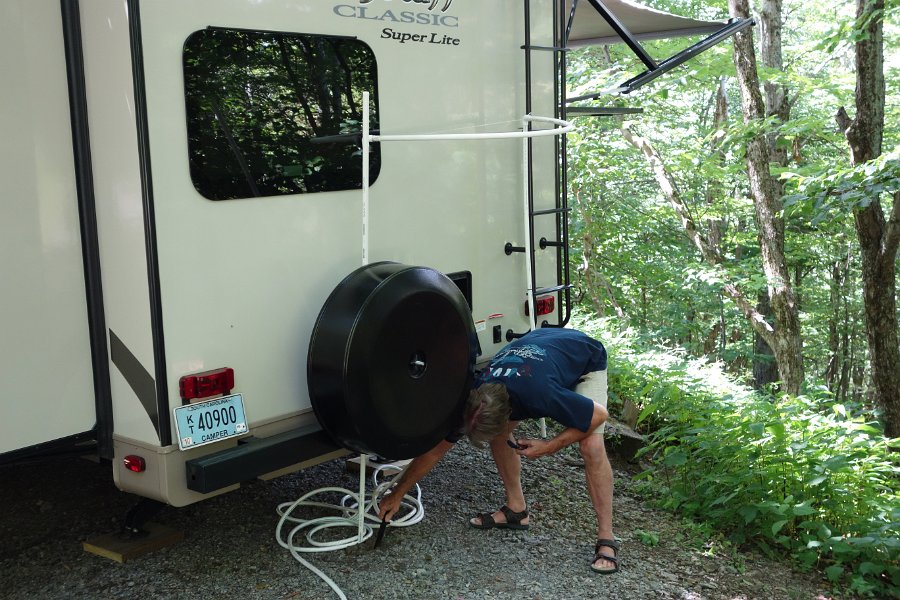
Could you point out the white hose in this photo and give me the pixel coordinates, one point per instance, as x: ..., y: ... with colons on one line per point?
x: 411, y: 512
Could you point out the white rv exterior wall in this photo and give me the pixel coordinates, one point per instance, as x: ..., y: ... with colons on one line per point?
x: 45, y: 355
x: 243, y: 280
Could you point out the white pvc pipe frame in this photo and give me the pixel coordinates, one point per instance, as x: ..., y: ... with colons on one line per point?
x: 562, y: 127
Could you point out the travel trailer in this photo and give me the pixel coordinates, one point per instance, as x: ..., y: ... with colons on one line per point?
x: 242, y: 237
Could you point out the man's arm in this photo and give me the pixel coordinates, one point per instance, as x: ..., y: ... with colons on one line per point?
x: 417, y: 469
x: 570, y: 435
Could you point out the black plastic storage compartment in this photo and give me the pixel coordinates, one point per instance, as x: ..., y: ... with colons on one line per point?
x: 391, y: 360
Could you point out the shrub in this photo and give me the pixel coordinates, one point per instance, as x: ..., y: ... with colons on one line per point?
x: 799, y: 475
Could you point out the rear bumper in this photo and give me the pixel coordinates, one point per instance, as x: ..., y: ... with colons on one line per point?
x: 180, y: 477
x: 260, y: 457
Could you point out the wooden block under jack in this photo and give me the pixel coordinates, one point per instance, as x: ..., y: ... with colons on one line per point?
x: 122, y: 547
x: 353, y: 465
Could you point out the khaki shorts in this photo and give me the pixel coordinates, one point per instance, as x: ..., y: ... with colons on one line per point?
x: 593, y: 386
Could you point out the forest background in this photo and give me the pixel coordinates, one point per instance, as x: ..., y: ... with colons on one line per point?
x: 735, y: 245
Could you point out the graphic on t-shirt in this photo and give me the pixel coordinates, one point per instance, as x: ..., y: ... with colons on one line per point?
x: 524, y: 352
x: 512, y: 361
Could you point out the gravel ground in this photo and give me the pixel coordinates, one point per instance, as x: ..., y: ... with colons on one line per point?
x: 229, y: 549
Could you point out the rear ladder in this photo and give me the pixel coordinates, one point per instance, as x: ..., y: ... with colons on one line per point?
x: 561, y: 291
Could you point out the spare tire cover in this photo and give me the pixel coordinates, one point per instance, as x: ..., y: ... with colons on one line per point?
x: 391, y: 360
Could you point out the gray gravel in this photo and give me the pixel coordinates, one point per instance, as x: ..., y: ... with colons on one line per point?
x: 229, y: 549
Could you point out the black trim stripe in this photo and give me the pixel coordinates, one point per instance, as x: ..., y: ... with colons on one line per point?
x: 143, y: 137
x: 87, y: 211
x: 140, y: 381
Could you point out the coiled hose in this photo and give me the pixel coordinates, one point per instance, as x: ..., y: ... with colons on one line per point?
x: 363, y: 521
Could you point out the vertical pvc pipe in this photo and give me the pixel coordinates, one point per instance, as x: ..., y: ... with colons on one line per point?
x: 360, y: 532
x: 363, y: 458
x: 529, y: 242
x: 365, y: 179
x: 527, y: 219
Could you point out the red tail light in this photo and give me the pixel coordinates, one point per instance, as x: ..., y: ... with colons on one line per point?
x: 544, y: 305
x: 208, y: 383
x: 135, y: 463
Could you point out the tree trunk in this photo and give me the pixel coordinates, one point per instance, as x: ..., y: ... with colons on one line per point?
x: 770, y: 25
x: 785, y: 341
x: 765, y: 367
x: 714, y: 189
x: 846, y: 355
x: 765, y: 371
x: 878, y: 238
x: 837, y: 369
x: 587, y: 260
x: 611, y: 294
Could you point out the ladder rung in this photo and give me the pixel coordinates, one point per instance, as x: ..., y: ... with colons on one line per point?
x: 545, y: 243
x: 551, y: 211
x: 551, y: 290
x: 547, y: 48
x: 601, y: 111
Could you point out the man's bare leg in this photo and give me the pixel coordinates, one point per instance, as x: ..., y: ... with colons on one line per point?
x: 599, y: 476
x: 509, y: 466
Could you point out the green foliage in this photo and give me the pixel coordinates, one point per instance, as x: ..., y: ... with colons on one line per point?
x: 812, y: 476
x: 647, y: 538
x: 803, y: 476
x: 656, y: 276
x: 841, y: 190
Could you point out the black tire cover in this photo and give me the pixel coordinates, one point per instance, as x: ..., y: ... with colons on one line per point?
x: 391, y: 360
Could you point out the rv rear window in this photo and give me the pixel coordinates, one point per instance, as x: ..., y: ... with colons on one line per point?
x: 270, y: 114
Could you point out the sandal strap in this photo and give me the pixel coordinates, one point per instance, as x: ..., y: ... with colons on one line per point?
x: 598, y: 554
x: 487, y: 519
x: 513, y: 518
x: 613, y: 559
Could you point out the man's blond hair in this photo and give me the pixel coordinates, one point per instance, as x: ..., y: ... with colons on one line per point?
x: 487, y: 413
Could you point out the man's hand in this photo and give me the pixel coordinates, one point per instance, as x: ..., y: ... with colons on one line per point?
x: 569, y: 435
x: 417, y: 469
x: 535, y: 448
x: 389, y: 505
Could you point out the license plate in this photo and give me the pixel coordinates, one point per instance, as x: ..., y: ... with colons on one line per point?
x: 210, y: 421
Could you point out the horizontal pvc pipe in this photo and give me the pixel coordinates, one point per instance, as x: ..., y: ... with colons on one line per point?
x: 562, y: 127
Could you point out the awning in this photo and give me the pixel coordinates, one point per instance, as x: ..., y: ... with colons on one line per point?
x: 644, y: 23
x: 613, y: 21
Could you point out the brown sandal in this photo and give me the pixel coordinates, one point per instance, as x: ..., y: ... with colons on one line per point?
x: 513, y: 520
x: 614, y: 559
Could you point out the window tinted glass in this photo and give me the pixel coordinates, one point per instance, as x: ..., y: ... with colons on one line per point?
x: 263, y: 109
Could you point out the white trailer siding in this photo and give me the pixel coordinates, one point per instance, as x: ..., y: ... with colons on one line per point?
x: 191, y: 284
x: 45, y: 357
x: 242, y: 281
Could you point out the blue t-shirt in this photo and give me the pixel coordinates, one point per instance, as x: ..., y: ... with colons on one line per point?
x: 540, y: 371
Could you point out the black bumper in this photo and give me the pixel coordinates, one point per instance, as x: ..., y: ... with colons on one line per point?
x: 257, y: 456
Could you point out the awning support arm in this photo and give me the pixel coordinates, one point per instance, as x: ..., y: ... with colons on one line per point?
x: 565, y: 39
x: 623, y: 33
x: 732, y: 27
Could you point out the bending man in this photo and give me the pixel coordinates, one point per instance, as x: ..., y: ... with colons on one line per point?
x: 555, y: 373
